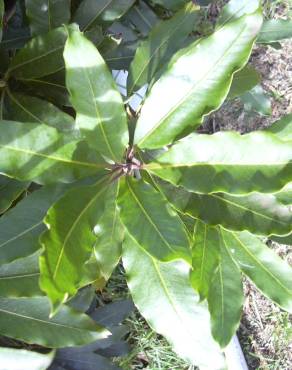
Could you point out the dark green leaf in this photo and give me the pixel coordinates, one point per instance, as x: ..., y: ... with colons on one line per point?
x: 89, y: 361
x: 83, y: 299
x: 225, y: 299
x: 1, y: 17
x: 162, y: 42
x: 287, y: 240
x: 190, y: 93
x: 151, y: 222
x: 227, y: 162
x: 44, y: 15
x: 15, y: 38
x: 113, y: 314
x: 103, y: 12
x: 170, y: 4
x: 282, y: 128
x: 257, y: 100
x: 100, y: 113
x: 27, y: 319
x: 32, y: 151
x: 11, y: 358
x: 235, y: 9
x: 9, y: 191
x: 275, y: 30
x: 243, y: 81
x: 164, y: 296
x: 268, y: 271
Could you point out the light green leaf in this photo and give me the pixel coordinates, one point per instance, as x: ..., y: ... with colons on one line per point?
x: 24, y: 108
x: 274, y: 30
x: 69, y: 240
x: 225, y: 299
x: 268, y: 271
x: 190, y: 93
x: 102, y: 12
x: 41, y: 56
x: 21, y: 277
x: 285, y: 195
x: 44, y: 15
x: 227, y: 162
x: 21, y: 359
x: 162, y: 42
x: 257, y: 100
x: 27, y: 319
x: 1, y: 17
x: 243, y: 81
x: 9, y: 191
x: 164, y: 296
x: 151, y: 222
x: 282, y: 128
x: 235, y: 9
x: 32, y: 151
x: 99, y: 106
x: 205, y: 257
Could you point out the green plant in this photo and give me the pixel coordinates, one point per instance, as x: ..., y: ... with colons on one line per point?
x: 185, y: 211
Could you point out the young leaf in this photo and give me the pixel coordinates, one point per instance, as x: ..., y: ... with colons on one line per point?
x: 165, y: 298
x: 27, y: 319
x: 190, y: 93
x: 227, y: 162
x: 282, y: 128
x: 9, y: 191
x: 235, y: 9
x: 32, y: 151
x: 100, y: 112
x: 150, y: 221
x: 274, y: 30
x: 44, y: 15
x: 205, y: 257
x: 257, y: 100
x: 225, y: 298
x: 103, y: 12
x: 11, y: 358
x: 160, y: 45
x: 243, y: 81
x: 69, y: 240
x: 269, y: 273
x: 24, y: 108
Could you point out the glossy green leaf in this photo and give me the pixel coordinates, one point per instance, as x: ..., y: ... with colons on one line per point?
x: 190, y: 93
x: 257, y: 100
x: 1, y: 17
x: 205, y: 257
x: 41, y: 56
x: 103, y: 12
x: 21, y: 277
x: 162, y: 42
x: 45, y: 15
x: 9, y: 191
x: 274, y: 30
x: 32, y: 151
x: 268, y: 271
x: 27, y: 319
x: 101, y: 116
x: 164, y: 296
x: 24, y: 108
x: 235, y: 9
x: 151, y: 222
x: 21, y: 359
x: 227, y: 162
x: 69, y: 240
x: 243, y: 81
x: 282, y: 128
x: 225, y: 299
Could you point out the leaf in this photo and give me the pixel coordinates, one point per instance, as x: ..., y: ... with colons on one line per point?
x: 112, y: 314
x: 100, y: 113
x: 285, y: 195
x: 45, y: 15
x: 227, y: 162
x: 33, y: 151
x: 104, y: 12
x: 150, y: 221
x: 86, y: 362
x: 243, y: 81
x: 235, y: 9
x: 20, y: 278
x: 24, y: 108
x: 257, y: 100
x: 287, y: 240
x: 274, y: 30
x: 15, y: 38
x: 205, y: 257
x: 1, y: 17
x: 164, y: 296
x: 198, y: 91
x: 268, y: 271
x: 10, y: 190
x: 69, y: 240
x: 282, y: 128
x: 225, y: 299
x: 162, y: 42
x: 40, y: 57
x: 27, y: 319
x: 170, y: 4
x: 11, y: 358
x: 83, y: 299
